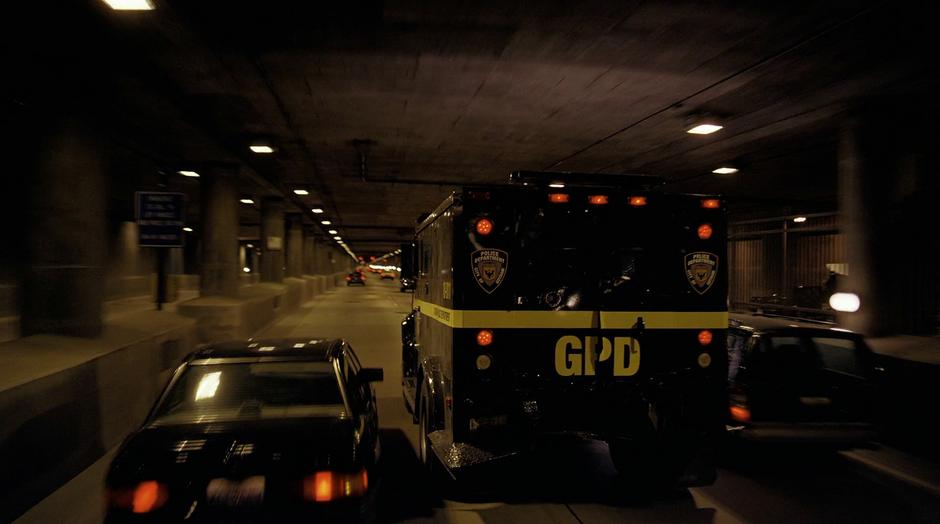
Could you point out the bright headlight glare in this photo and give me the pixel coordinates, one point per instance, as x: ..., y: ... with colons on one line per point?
x: 845, y: 302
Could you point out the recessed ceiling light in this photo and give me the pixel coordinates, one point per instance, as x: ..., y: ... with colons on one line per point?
x: 188, y: 229
x: 317, y: 210
x: 301, y: 192
x: 725, y: 170
x: 799, y: 220
x: 191, y: 174
x: 558, y: 185
x: 332, y: 231
x: 703, y: 129
x: 257, y: 148
x: 325, y: 222
x: 130, y: 5
x: 247, y: 201
x: 337, y: 238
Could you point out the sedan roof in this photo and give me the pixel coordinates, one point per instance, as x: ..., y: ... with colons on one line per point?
x: 766, y: 323
x: 307, y: 348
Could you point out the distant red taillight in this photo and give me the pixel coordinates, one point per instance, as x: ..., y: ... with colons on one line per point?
x: 711, y: 203
x: 638, y: 201
x: 484, y: 337
x: 558, y: 198
x: 597, y: 200
x: 348, y: 279
x: 326, y: 486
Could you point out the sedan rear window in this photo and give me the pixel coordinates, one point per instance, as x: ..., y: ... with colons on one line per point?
x: 840, y: 354
x: 251, y: 390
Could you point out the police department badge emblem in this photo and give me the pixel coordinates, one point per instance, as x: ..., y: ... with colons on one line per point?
x: 489, y: 267
x: 701, y: 268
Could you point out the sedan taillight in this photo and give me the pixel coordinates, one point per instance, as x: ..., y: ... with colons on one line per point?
x: 144, y: 497
x: 325, y: 486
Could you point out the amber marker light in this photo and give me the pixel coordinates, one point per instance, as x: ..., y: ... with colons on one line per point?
x: 704, y: 337
x: 597, y: 200
x: 484, y: 337
x: 705, y: 231
x: 711, y: 203
x: 484, y: 226
x: 558, y: 198
x: 638, y: 201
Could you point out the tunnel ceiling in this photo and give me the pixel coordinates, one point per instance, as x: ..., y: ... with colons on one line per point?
x: 379, y: 109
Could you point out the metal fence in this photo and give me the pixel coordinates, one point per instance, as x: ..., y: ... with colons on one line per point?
x: 784, y: 261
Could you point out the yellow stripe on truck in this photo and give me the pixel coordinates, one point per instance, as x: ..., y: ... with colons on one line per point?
x: 468, y: 318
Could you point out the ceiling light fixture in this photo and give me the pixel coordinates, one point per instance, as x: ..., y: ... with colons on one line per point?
x: 247, y: 201
x: 332, y: 231
x: 190, y: 174
x: 557, y: 185
x: 337, y: 238
x: 130, y: 5
x: 725, y: 170
x: 260, y: 149
x: 316, y: 210
x: 799, y: 220
x: 702, y: 124
x: 188, y: 229
x: 703, y: 129
x: 325, y: 222
x: 301, y: 192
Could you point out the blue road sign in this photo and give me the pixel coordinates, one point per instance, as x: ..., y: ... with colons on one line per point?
x: 160, y: 219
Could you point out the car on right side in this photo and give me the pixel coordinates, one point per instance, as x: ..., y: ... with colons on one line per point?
x: 791, y: 381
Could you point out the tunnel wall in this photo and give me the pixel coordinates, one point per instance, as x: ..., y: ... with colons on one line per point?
x: 64, y: 401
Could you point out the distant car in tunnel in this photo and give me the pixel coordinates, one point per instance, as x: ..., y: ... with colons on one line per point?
x: 387, y: 275
x: 355, y: 278
x: 265, y: 430
x: 797, y: 382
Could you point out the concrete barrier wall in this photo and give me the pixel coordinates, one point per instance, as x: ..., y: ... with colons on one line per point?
x: 71, y: 400
x: 9, y: 300
x: 130, y: 286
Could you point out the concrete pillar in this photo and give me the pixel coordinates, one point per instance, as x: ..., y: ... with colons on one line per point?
x: 295, y: 245
x: 887, y: 188
x: 272, y: 239
x: 310, y: 250
x: 219, y: 232
x: 63, y: 278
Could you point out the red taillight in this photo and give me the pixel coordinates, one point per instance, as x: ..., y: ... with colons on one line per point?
x: 558, y: 198
x: 484, y: 226
x: 597, y: 200
x: 484, y: 337
x: 637, y: 201
x: 704, y: 337
x: 705, y: 231
x: 145, y: 497
x: 348, y: 279
x: 740, y: 413
x: 326, y: 486
x: 711, y: 203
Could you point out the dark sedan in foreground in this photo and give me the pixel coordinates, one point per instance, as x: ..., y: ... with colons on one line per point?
x: 793, y: 381
x: 255, y: 431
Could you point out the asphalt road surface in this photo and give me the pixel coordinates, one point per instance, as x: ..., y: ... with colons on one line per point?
x: 563, y: 481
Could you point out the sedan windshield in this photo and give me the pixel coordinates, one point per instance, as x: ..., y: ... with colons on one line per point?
x: 252, y: 390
